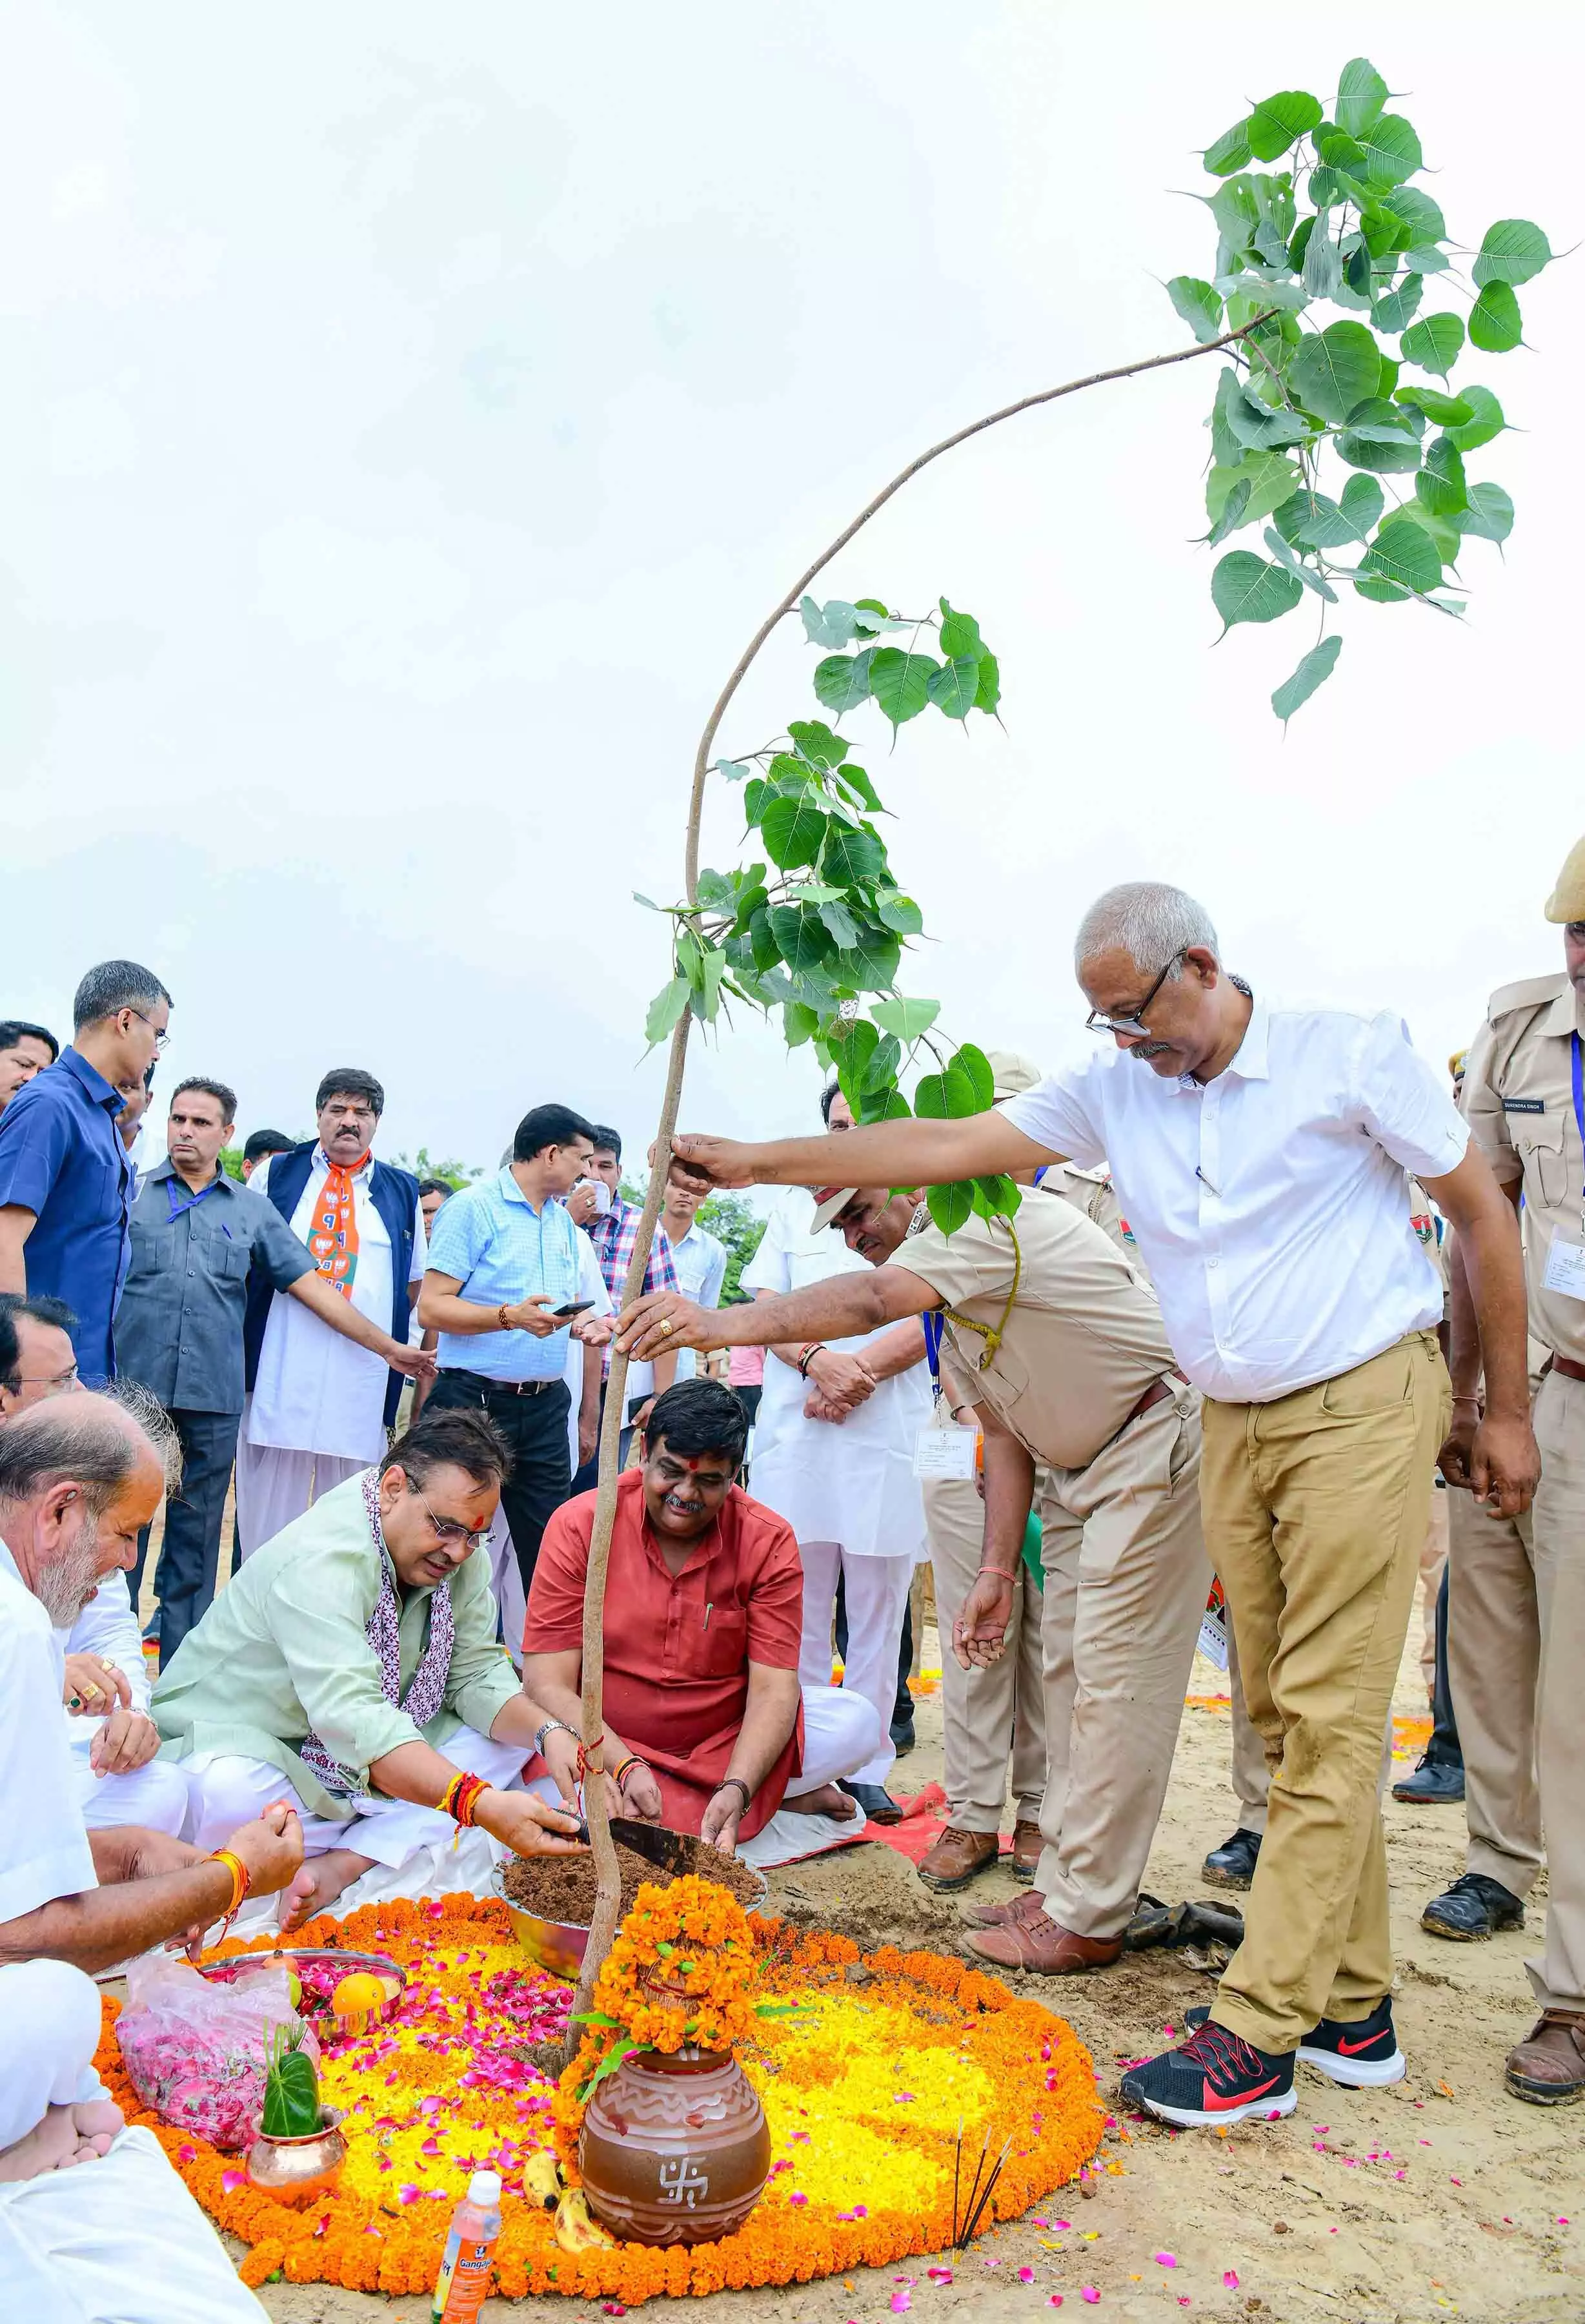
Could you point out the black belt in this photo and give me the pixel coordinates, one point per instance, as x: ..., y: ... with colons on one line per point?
x: 488, y: 1388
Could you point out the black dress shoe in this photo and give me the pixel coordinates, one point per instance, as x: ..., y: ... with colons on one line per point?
x: 878, y: 1806
x: 1435, y: 1783
x: 1232, y: 1864
x: 1472, y: 1908
x: 903, y: 1737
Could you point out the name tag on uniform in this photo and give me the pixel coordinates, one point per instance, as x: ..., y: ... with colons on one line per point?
x: 1523, y: 1105
x: 948, y: 1453
x: 1565, y: 1268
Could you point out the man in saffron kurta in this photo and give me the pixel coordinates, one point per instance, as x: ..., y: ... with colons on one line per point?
x: 706, y: 1727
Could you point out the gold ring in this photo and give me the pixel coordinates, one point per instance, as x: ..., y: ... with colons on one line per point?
x: 665, y: 1323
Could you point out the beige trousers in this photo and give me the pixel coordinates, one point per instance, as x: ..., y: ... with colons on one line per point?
x: 985, y: 1713
x: 1126, y: 1580
x: 1515, y: 1648
x: 1315, y: 1509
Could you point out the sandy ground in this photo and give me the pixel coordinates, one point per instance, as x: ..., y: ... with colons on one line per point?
x: 1439, y: 2197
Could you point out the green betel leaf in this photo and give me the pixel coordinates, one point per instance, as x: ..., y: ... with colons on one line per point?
x: 901, y: 914
x: 1513, y: 251
x: 1314, y: 670
x: 1199, y: 307
x: 817, y: 743
x: 1399, y: 309
x: 960, y: 633
x: 794, y: 831
x: 851, y: 859
x: 1280, y: 121
x: 1440, y: 484
x: 1297, y: 568
x: 1361, y: 95
x: 1392, y: 154
x: 899, y: 681
x: 665, y: 1009
x: 1487, y: 420
x: 1245, y: 588
x: 1404, y: 553
x: 953, y: 1206
x: 907, y: 1019
x: 1434, y: 344
x: 1335, y: 369
x: 1230, y: 153
x: 1447, y: 410
x: 987, y: 692
x: 800, y: 936
x: 843, y: 681
x: 1490, y: 515
x: 975, y: 1067
x: 952, y: 687
x: 1495, y: 326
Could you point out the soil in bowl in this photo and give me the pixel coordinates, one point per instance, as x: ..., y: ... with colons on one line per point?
x: 562, y: 1887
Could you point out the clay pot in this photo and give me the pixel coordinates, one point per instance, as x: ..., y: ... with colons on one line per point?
x: 293, y: 2169
x: 674, y: 2147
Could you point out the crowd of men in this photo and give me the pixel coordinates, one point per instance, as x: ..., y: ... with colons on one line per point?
x: 1209, y: 1340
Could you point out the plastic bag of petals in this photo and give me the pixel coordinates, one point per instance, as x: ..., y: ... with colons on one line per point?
x: 195, y: 2052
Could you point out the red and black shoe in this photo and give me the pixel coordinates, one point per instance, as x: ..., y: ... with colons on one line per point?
x: 1213, y: 2077
x: 1362, y: 2054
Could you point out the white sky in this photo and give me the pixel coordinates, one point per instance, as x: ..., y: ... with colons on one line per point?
x: 411, y: 412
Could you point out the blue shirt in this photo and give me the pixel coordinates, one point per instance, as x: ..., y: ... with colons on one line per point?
x: 62, y: 1159
x: 500, y: 1250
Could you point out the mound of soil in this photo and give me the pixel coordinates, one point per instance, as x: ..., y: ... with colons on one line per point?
x: 562, y: 1887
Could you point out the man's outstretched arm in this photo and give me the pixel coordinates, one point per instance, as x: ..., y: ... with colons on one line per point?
x: 838, y: 1309
x: 913, y: 1153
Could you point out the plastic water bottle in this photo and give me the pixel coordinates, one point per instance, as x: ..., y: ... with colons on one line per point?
x: 470, y: 2253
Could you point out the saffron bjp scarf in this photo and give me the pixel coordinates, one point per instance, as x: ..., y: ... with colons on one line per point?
x: 333, y: 1230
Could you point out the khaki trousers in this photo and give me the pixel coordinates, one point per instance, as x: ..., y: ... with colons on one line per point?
x: 1126, y: 1581
x: 984, y: 1712
x: 1315, y: 1509
x: 1516, y: 1650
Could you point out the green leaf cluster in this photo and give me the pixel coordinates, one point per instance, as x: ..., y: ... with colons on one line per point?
x: 1339, y: 222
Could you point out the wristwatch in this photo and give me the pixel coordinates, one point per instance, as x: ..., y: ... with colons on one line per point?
x: 549, y: 1727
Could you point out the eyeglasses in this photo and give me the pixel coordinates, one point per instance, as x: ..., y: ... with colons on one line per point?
x: 159, y: 1039
x: 1098, y: 1021
x: 52, y: 1383
x: 451, y: 1530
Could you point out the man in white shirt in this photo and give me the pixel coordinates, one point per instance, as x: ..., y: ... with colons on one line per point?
x: 319, y: 1407
x: 1261, y: 1157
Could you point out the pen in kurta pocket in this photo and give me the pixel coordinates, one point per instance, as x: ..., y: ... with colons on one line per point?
x: 709, y: 1603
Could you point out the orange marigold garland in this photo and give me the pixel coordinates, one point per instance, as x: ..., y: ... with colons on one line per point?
x: 864, y: 2090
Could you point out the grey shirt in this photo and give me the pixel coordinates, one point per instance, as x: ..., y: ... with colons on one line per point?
x: 179, y: 1326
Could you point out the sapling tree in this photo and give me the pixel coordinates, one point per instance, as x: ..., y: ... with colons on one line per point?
x: 1345, y: 441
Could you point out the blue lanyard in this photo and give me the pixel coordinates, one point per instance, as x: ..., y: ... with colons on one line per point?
x: 934, y: 1324
x: 175, y: 1192
x: 1579, y: 1066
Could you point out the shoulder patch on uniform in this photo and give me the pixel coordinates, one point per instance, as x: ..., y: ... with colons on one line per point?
x: 1529, y: 992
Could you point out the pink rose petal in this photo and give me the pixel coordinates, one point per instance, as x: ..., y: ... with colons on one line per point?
x: 1166, y: 2259
x: 1026, y: 2275
x: 231, y: 2180
x: 901, y: 2301
x: 1230, y: 2278
x: 1089, y: 2293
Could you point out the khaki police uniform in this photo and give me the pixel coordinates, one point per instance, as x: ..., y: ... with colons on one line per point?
x: 982, y: 1709
x: 1516, y: 1592
x: 1062, y: 1339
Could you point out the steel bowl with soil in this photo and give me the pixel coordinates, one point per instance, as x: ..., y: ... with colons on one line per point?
x: 550, y: 1899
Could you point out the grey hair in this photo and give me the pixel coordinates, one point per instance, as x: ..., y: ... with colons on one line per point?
x: 112, y: 986
x: 67, y: 1437
x: 142, y: 1405
x: 1148, y: 920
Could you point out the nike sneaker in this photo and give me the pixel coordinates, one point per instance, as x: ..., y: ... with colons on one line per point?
x: 1362, y: 2055
x: 1212, y: 2078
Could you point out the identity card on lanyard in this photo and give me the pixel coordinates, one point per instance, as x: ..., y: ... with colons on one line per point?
x: 1565, y: 1262
x: 942, y: 1454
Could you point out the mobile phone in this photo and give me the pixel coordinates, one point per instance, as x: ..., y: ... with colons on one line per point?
x: 573, y: 1308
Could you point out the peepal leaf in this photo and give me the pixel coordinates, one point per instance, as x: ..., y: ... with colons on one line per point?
x: 1392, y: 152
x: 975, y: 1065
x: 1447, y: 410
x: 1233, y: 506
x: 817, y: 743
x: 1199, y: 305
x: 1245, y: 588
x: 1490, y: 515
x: 1486, y: 422
x: 907, y: 1019
x: 1314, y: 670
x: 1404, y: 552
x: 952, y: 1206
x: 899, y: 681
x: 1440, y: 486
x: 1399, y: 308
x: 843, y: 681
x: 952, y: 687
x: 960, y: 633
x: 1434, y: 344
x: 794, y: 831
x: 1513, y: 251
x: 1494, y: 324
x: 1230, y: 153
x: 1361, y: 95
x: 1334, y: 370
x: 1261, y: 425
x: 1297, y: 568
x: 665, y: 1009
x: 1280, y: 121
x: 835, y: 624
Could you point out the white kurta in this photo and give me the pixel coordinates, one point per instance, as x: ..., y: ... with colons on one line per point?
x: 700, y: 1259
x: 154, y: 1796
x: 317, y: 1392
x: 591, y: 1286
x: 852, y: 1483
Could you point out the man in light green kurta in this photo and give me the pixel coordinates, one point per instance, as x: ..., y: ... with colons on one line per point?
x: 353, y: 1665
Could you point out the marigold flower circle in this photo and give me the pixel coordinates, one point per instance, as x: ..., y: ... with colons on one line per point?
x: 864, y: 2090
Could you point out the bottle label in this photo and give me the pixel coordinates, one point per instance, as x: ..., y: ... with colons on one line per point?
x: 464, y: 2280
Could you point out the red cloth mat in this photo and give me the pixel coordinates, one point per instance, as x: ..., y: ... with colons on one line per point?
x: 924, y: 1821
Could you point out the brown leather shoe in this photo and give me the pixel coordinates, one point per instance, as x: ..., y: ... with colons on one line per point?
x: 957, y: 1857
x: 1027, y: 1844
x: 1548, y: 2067
x: 1028, y: 1938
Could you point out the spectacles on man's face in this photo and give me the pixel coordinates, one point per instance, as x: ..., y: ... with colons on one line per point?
x: 451, y: 1530
x: 52, y: 1383
x: 1100, y: 1021
x: 160, y: 1038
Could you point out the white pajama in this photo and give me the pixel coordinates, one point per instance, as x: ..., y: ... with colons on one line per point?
x: 875, y: 1590
x: 274, y: 1487
x: 154, y: 1796
x: 49, y: 2032
x: 843, y: 1735
x: 228, y: 1790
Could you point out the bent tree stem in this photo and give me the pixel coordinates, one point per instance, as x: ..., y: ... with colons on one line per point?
x: 603, y: 1927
